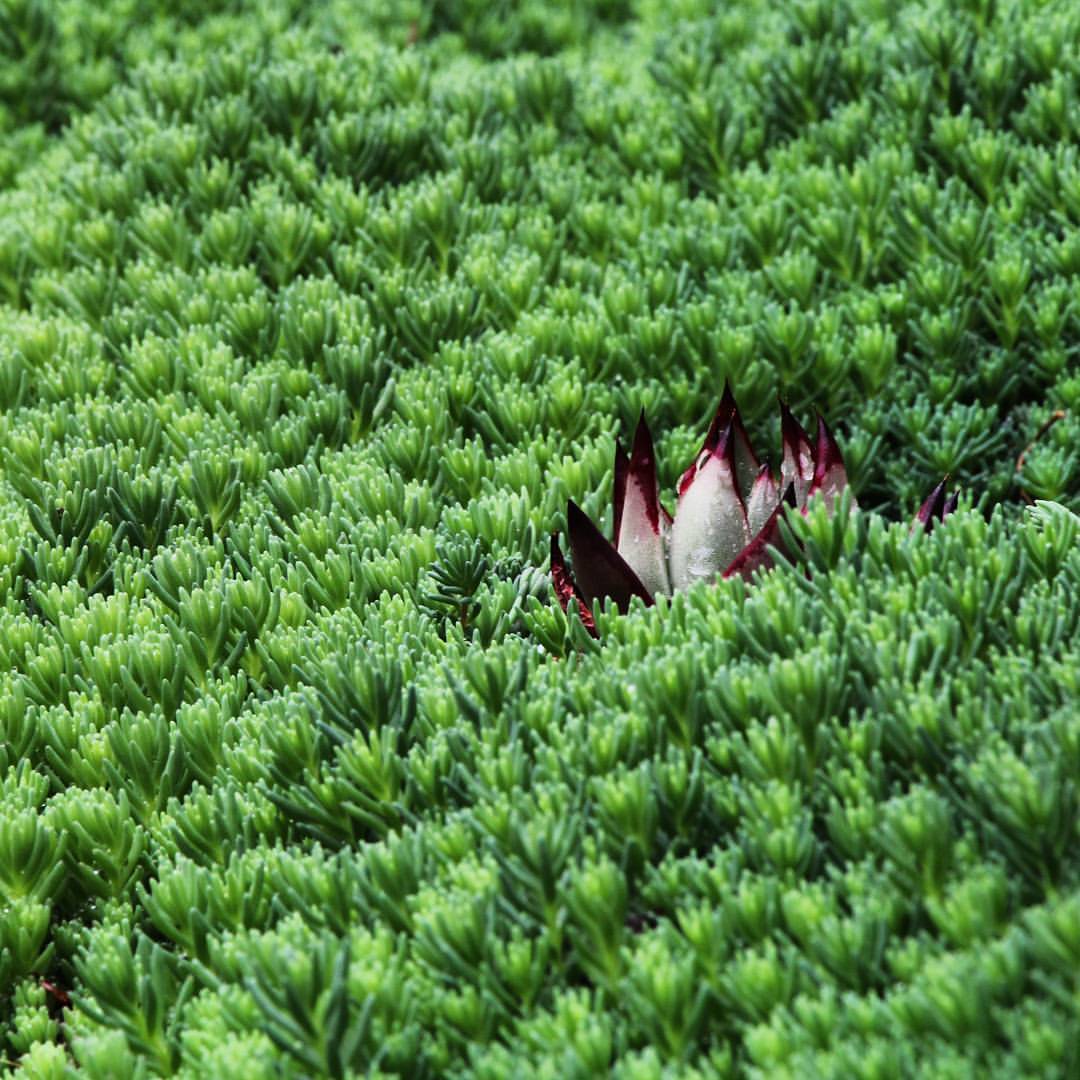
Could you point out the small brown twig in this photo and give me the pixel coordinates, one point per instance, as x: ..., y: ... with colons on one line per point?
x: 1055, y: 416
x: 60, y: 996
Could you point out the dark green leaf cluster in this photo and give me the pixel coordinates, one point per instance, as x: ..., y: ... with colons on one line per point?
x: 312, y: 319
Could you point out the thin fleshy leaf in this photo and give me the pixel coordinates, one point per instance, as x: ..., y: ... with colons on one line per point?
x: 950, y: 505
x: 797, y: 466
x: 830, y: 477
x: 641, y: 528
x: 710, y: 526
x: 764, y: 497
x: 599, y: 569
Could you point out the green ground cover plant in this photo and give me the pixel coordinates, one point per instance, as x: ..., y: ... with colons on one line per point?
x: 313, y: 317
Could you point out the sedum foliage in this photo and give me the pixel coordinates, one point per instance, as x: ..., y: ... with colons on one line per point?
x: 312, y: 319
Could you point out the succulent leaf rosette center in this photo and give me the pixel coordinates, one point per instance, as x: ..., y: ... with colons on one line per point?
x: 726, y: 517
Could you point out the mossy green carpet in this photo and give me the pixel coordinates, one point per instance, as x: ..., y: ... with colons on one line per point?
x: 312, y: 318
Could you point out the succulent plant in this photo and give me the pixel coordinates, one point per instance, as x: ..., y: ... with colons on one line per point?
x: 726, y: 518
x: 936, y: 507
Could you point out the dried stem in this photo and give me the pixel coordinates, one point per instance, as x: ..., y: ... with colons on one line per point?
x: 1055, y: 416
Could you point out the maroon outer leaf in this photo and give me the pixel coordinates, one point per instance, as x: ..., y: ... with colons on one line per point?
x: 566, y: 588
x: 600, y: 570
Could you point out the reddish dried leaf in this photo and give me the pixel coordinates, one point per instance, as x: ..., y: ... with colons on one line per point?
x: 566, y: 588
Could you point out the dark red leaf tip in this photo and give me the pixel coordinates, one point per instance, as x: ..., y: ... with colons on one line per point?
x: 791, y: 431
x: 827, y: 452
x: 643, y: 471
x: 932, y: 505
x: 937, y: 506
x: 642, y: 450
x: 727, y: 412
x: 727, y: 400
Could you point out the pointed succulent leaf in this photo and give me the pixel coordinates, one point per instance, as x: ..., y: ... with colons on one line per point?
x: 763, y: 499
x: 640, y: 525
x: 756, y: 553
x: 797, y: 467
x: 936, y: 507
x: 830, y: 477
x: 600, y: 570
x: 931, y: 507
x: 566, y: 588
x: 710, y: 526
x: 728, y: 418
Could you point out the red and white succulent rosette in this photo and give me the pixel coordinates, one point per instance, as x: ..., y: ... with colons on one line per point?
x: 726, y: 518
